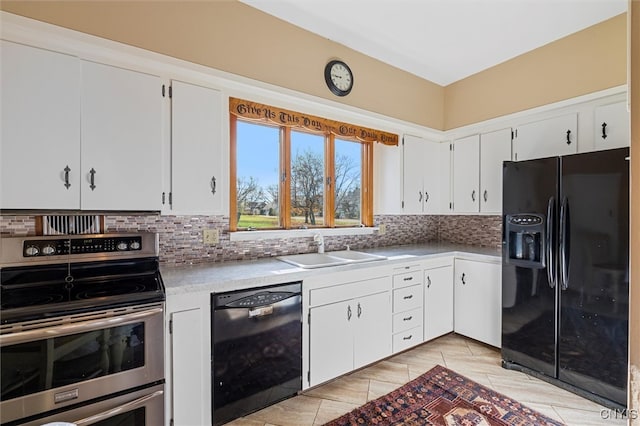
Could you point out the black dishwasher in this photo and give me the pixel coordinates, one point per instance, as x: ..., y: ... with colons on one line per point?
x: 256, y: 347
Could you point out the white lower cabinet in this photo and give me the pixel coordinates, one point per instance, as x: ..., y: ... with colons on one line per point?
x: 477, y: 295
x: 407, y: 306
x: 372, y: 315
x: 438, y: 302
x: 188, y: 360
x: 348, y: 334
x: 186, y: 371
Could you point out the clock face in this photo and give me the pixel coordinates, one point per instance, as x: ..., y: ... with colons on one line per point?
x: 339, y: 78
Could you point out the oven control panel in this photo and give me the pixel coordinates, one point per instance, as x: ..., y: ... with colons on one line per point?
x: 64, y: 246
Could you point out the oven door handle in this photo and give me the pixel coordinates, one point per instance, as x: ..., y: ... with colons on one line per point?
x: 129, y: 406
x: 73, y: 328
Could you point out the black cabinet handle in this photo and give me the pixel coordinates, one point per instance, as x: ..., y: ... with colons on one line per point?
x: 408, y: 337
x: 408, y: 297
x: 66, y: 177
x: 463, y: 281
x: 426, y: 196
x: 213, y: 185
x: 92, y: 172
x: 349, y: 313
x: 420, y: 196
x: 407, y: 318
x: 428, y: 281
x: 473, y: 195
x: 407, y: 278
x: 485, y: 195
x: 604, y: 130
x: 568, y: 137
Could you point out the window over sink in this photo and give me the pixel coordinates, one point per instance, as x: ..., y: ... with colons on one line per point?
x: 294, y: 171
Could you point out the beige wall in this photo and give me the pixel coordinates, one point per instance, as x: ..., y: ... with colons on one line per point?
x: 230, y: 36
x: 634, y: 302
x: 585, y: 62
x: 236, y: 38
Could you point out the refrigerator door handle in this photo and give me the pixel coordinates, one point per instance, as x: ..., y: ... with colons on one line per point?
x: 551, y: 263
x: 564, y: 244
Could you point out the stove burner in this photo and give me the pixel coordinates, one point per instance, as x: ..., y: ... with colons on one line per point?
x: 28, y: 298
x: 120, y: 288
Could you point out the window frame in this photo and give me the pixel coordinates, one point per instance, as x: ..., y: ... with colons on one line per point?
x: 284, y: 185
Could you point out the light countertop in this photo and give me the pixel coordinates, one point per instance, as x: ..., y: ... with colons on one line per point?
x: 236, y: 275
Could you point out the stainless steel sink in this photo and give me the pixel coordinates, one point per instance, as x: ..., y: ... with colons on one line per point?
x: 334, y: 258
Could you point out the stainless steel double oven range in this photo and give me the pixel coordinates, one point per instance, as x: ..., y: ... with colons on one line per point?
x: 81, y: 330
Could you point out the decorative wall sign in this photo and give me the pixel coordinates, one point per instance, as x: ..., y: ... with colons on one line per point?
x: 282, y: 117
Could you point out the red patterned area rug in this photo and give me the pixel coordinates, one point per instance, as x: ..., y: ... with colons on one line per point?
x: 443, y: 397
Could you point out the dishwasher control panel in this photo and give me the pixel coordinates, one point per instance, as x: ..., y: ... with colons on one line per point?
x: 260, y: 299
x: 256, y: 297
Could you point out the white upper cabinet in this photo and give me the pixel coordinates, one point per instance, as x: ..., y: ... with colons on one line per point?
x: 77, y: 134
x: 40, y: 151
x: 423, y: 169
x: 197, y: 184
x: 495, y: 147
x: 121, y: 139
x: 387, y: 180
x: 611, y: 126
x: 546, y: 138
x: 466, y: 174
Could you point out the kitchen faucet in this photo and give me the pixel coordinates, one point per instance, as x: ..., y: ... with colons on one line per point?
x: 319, y: 240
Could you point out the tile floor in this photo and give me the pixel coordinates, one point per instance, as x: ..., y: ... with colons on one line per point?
x: 472, y: 359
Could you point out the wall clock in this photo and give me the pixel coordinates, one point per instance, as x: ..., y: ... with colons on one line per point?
x: 339, y: 77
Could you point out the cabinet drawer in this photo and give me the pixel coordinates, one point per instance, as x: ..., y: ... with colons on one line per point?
x: 407, y: 298
x: 333, y: 294
x: 407, y: 279
x: 407, y: 339
x: 406, y: 320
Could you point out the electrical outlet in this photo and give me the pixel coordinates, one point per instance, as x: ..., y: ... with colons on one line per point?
x: 211, y: 236
x: 382, y: 229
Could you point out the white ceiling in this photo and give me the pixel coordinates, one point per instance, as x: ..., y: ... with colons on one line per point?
x: 442, y: 40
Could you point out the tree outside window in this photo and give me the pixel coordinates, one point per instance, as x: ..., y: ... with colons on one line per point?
x: 291, y: 179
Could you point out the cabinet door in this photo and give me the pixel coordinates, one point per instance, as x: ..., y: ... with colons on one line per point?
x: 40, y: 106
x: 413, y: 149
x: 196, y: 150
x: 187, y: 375
x: 435, y: 168
x: 371, y: 324
x: 438, y: 302
x: 495, y: 147
x: 547, y: 138
x: 387, y: 181
x: 121, y: 139
x: 466, y: 174
x: 330, y: 341
x: 477, y: 307
x: 612, y: 126
x: 446, y: 200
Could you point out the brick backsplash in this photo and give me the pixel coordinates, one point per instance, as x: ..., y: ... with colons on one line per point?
x: 484, y: 231
x: 17, y: 226
x: 181, y: 236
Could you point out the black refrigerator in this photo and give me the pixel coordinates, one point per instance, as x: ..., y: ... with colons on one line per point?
x: 565, y: 272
